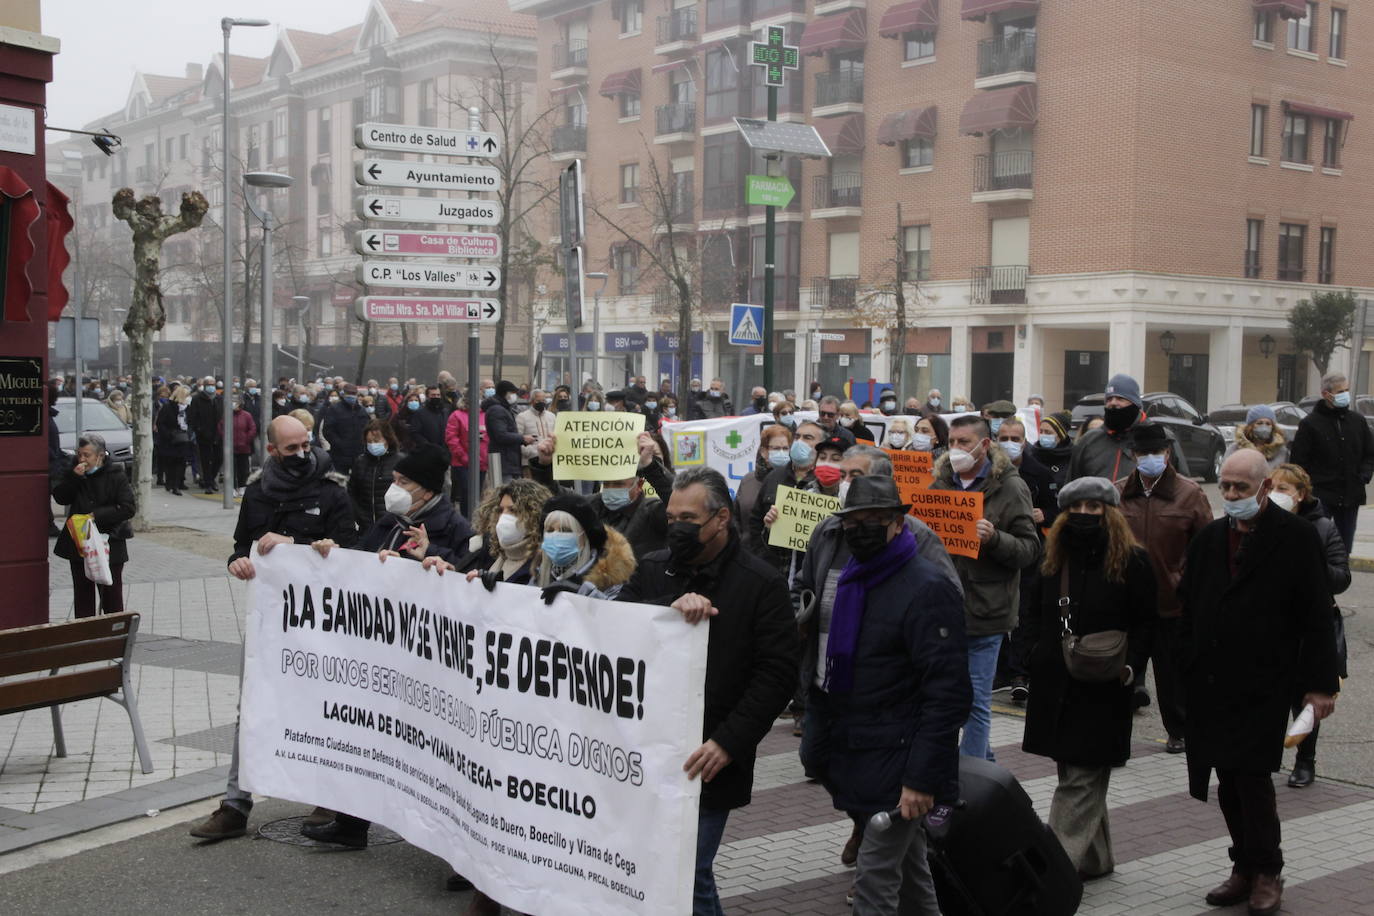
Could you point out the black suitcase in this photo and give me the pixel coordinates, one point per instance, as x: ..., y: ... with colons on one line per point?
x: 991, y: 855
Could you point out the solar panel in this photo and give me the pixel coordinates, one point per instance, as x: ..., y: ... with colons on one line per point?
x: 783, y: 137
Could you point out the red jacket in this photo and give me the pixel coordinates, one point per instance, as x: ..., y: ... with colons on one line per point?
x: 245, y: 430
x: 456, y: 438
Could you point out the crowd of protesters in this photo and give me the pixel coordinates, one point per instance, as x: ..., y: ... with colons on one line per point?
x: 1094, y: 529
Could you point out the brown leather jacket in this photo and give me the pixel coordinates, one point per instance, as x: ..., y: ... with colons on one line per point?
x: 1164, y: 523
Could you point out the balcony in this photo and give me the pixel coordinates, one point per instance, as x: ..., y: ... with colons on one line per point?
x: 999, y: 285
x: 727, y: 18
x: 838, y: 92
x: 568, y: 142
x: 837, y: 195
x: 1006, y: 60
x: 834, y: 292
x: 570, y: 60
x: 1003, y: 176
x: 677, y: 32
x: 683, y: 202
x: 675, y: 122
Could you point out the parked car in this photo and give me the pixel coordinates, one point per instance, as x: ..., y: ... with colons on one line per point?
x: 1202, y: 443
x: 96, y: 418
x: 1229, y: 416
x: 1363, y: 404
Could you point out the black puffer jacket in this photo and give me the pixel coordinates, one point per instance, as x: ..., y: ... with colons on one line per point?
x: 106, y: 495
x: 305, y: 508
x: 1336, y: 449
x: 751, y: 655
x: 341, y: 425
x: 367, y: 486
x: 448, y: 532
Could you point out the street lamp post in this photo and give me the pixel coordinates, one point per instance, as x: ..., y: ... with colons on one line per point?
x: 226, y: 25
x: 596, y: 323
x: 266, y: 181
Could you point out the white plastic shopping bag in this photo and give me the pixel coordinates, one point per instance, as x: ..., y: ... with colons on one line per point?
x: 95, y: 551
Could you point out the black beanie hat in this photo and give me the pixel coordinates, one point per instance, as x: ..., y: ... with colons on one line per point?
x: 426, y: 465
x: 504, y: 388
x: 580, y: 509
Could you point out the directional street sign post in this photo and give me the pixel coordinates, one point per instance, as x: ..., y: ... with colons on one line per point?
x: 432, y: 140
x: 745, y: 323
x: 397, y: 173
x: 430, y: 276
x: 429, y: 210
x: 398, y: 242
x: 422, y: 308
x: 768, y: 191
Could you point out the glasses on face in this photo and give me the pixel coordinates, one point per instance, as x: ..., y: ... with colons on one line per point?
x: 827, y: 414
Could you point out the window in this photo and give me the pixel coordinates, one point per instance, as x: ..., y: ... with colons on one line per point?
x: 627, y: 269
x: 629, y: 104
x: 1337, y: 48
x: 631, y: 16
x: 722, y: 86
x: 1292, y: 239
x: 629, y: 183
x: 1254, y: 232
x: 182, y: 144
x: 324, y: 198
x: 1331, y: 145
x: 918, y: 152
x: 429, y: 103
x: 1294, y: 137
x: 281, y: 136
x: 1258, y: 115
x: 322, y: 131
x: 722, y: 180
x: 916, y: 245
x: 1300, y: 30
x: 682, y: 89
x: 1326, y: 256
x: 918, y: 45
x: 1264, y: 27
x: 169, y: 152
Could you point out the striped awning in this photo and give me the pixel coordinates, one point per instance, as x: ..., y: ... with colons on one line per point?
x: 1287, y: 9
x: 907, y: 125
x: 1318, y: 111
x: 620, y: 83
x: 999, y: 109
x: 981, y: 9
x: 847, y: 31
x: 843, y: 135
x: 915, y: 16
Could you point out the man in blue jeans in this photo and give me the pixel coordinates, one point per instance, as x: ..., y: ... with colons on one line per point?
x: 992, y: 580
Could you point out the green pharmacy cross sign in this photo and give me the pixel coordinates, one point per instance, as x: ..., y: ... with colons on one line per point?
x: 774, y: 56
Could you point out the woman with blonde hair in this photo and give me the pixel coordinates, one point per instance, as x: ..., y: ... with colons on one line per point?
x: 510, y: 522
x: 900, y: 434
x: 1094, y: 578
x: 117, y: 404
x: 174, y: 437
x: 579, y: 550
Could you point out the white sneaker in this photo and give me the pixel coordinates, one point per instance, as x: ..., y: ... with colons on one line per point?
x: 238, y: 492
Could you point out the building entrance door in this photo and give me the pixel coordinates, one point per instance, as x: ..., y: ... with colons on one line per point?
x: 992, y: 375
x: 1085, y: 373
x: 1188, y: 377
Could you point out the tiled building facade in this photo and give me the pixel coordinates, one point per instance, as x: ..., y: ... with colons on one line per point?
x: 1071, y: 187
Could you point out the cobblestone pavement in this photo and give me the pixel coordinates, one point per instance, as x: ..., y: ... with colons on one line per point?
x: 780, y: 855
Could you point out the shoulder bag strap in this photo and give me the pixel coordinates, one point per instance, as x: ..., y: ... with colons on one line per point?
x: 1064, y: 601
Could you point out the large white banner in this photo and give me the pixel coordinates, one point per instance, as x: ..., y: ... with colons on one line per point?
x: 537, y: 749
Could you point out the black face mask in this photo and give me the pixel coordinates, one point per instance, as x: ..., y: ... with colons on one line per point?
x: 299, y: 464
x: 538, y: 406
x: 912, y: 411
x: 760, y: 404
x: 1119, y: 419
x: 562, y: 405
x: 684, y: 542
x: 1084, y: 529
x: 434, y: 403
x: 866, y: 541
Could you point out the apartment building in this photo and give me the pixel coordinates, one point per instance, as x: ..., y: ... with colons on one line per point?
x: 293, y: 111
x: 1071, y: 189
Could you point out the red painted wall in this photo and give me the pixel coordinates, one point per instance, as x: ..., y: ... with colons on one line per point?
x: 24, y: 545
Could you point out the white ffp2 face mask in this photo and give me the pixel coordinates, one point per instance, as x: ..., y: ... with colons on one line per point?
x: 397, y: 499
x: 509, y: 530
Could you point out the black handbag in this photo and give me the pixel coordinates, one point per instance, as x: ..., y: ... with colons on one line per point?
x: 178, y: 436
x: 1097, y: 658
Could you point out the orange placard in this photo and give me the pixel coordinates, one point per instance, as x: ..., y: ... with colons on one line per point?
x: 913, y: 471
x: 953, y: 515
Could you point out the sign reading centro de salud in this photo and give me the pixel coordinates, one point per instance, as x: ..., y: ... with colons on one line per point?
x: 436, y: 141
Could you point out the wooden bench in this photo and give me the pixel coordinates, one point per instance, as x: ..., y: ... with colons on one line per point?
x: 52, y: 647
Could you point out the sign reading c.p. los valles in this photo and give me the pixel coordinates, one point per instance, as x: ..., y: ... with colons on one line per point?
x: 21, y: 396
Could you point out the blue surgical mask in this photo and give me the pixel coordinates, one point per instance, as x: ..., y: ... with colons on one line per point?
x: 615, y: 498
x: 412, y: 405
x: 921, y: 442
x: 350, y: 399
x: 488, y: 392
x: 394, y: 386
x: 1049, y: 441
x: 1242, y: 509
x: 1342, y: 399
x: 376, y: 449
x: 303, y: 398
x: 370, y: 410
x: 778, y: 457
x: 593, y: 405
x: 561, y: 547
x: 651, y: 405
x: 255, y: 391
x: 1151, y: 465
x: 1012, y: 449
x: 995, y: 423
x: 801, y: 453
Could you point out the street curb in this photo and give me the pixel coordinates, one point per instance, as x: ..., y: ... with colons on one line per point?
x: 1362, y: 564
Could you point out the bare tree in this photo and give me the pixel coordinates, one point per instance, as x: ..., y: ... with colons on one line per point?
x: 150, y: 229
x: 885, y: 303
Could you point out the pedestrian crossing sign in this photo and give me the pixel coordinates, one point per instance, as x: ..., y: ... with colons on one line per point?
x: 746, y: 325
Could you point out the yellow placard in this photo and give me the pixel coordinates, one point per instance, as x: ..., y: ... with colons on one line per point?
x: 596, y: 446
x: 799, y: 512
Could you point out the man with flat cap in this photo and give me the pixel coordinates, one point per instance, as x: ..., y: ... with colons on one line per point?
x: 892, y: 667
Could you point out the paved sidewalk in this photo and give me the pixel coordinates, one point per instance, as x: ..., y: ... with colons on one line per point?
x: 781, y: 854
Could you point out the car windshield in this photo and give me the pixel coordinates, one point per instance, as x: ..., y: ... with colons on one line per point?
x: 1228, y: 415
x: 95, y: 418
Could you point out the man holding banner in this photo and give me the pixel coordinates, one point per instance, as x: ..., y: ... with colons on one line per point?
x: 1006, y: 543
x: 751, y: 656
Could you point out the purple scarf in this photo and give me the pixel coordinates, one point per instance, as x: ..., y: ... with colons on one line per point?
x: 851, y: 596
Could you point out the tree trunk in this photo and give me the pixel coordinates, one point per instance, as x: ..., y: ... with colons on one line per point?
x: 405, y: 354
x: 362, y: 357
x: 684, y: 344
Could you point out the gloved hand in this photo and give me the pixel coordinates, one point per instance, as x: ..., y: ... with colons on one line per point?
x: 554, y: 589
x: 490, y: 578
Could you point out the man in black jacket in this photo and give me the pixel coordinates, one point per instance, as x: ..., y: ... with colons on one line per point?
x: 202, y: 417
x: 294, y: 499
x: 341, y: 425
x: 751, y: 655
x: 430, y: 421
x: 1335, y: 447
x: 504, y: 436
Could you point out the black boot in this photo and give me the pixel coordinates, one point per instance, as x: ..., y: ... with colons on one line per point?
x: 1304, y: 774
x: 343, y: 831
